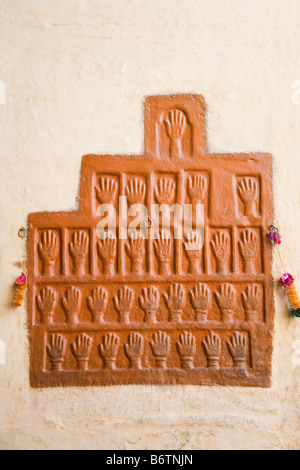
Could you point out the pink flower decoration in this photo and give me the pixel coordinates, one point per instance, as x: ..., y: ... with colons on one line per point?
x: 271, y: 235
x: 275, y: 237
x: 286, y: 280
x: 21, y: 280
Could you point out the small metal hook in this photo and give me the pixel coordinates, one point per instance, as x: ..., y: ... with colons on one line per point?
x: 148, y: 222
x: 274, y: 228
x: 23, y: 232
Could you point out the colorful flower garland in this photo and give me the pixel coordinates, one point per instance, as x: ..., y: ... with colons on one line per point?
x: 21, y: 281
x: 20, y: 291
x: 286, y: 280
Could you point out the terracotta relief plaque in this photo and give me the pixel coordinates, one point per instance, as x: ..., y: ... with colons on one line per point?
x: 163, y: 275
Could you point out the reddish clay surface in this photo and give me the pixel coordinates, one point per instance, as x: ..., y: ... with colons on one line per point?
x: 149, y: 311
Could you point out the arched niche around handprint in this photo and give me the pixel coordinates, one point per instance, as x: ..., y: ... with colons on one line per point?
x: 174, y: 135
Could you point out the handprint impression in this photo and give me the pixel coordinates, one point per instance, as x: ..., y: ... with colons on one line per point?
x: 186, y: 347
x: 193, y: 248
x: 108, y: 350
x: 123, y: 303
x: 248, y: 247
x: 135, y: 191
x: 175, y: 125
x: 221, y: 248
x: 134, y: 349
x: 251, y: 301
x: 79, y: 250
x: 107, y: 250
x: 149, y: 302
x: 135, y: 249
x: 46, y: 302
x: 237, y: 348
x: 97, y: 304
x: 162, y: 248
x: 81, y: 349
x: 165, y: 191
x: 107, y: 190
x: 56, y: 351
x: 175, y: 302
x: 48, y: 250
x: 212, y: 349
x: 226, y: 299
x: 196, y: 188
x: 247, y: 190
x: 161, y: 347
x: 200, y: 299
x: 71, y: 304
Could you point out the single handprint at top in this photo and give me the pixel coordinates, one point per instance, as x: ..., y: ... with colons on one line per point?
x: 248, y: 247
x: 123, y: 303
x: 165, y: 191
x: 149, y: 303
x: 212, y: 349
x: 175, y: 126
x: 48, y: 249
x: 186, y: 347
x: 237, y: 348
x: 71, y: 304
x: 247, y: 190
x: 56, y: 351
x: 221, y: 248
x: 107, y: 249
x: 162, y: 247
x: 97, y: 303
x: 161, y: 347
x: 107, y: 190
x: 135, y: 249
x: 81, y: 349
x: 251, y: 301
x: 201, y: 299
x: 175, y: 301
x: 79, y: 251
x: 193, y: 248
x: 226, y: 299
x: 46, y: 302
x: 134, y: 349
x: 135, y: 191
x: 108, y: 350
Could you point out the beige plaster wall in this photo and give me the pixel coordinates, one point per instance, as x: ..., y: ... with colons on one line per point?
x: 76, y: 73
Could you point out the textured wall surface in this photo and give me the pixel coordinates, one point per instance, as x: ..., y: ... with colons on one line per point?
x: 76, y: 74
